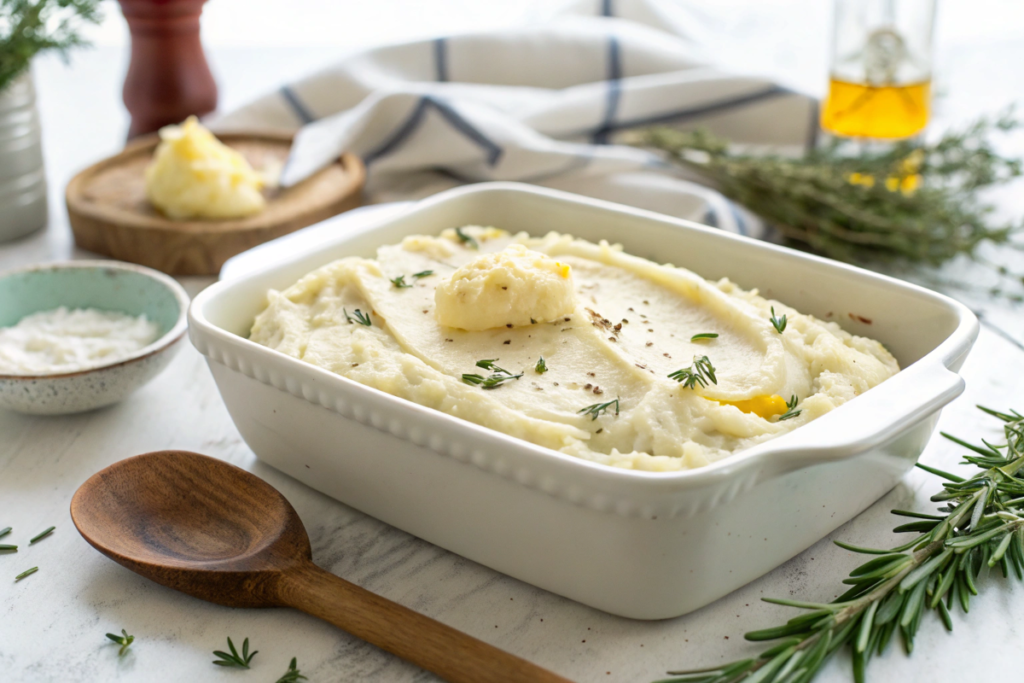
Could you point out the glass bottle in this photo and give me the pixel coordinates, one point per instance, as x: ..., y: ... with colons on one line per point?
x: 881, y: 72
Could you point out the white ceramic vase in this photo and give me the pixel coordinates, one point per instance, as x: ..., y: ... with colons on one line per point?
x: 22, y: 177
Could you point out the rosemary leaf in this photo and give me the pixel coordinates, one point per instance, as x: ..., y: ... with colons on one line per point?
x: 41, y: 535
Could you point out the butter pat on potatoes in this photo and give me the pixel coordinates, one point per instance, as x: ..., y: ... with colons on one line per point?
x: 195, y: 175
x: 510, y: 288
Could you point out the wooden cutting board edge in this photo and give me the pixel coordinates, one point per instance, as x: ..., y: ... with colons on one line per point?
x: 191, y: 247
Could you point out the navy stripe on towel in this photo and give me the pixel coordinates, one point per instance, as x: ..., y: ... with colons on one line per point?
x: 298, y: 107
x: 403, y: 132
x: 611, y: 108
x: 606, y: 8
x: 441, y: 59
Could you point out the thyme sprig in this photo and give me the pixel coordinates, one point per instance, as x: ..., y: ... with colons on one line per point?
x: 700, y: 372
x: 124, y: 640
x: 497, y: 378
x: 597, y: 409
x: 292, y: 675
x: 234, y: 659
x: 422, y: 274
x: 466, y: 239
x: 791, y: 410
x: 982, y: 525
x: 357, y: 317
x: 399, y: 282
x: 779, y: 323
x: 911, y: 202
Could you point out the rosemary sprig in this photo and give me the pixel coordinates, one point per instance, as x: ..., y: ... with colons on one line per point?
x: 234, y: 659
x: 466, y: 239
x: 399, y: 282
x: 27, y: 572
x: 791, y: 409
x: 41, y: 535
x: 982, y: 526
x: 597, y: 409
x: 5, y: 546
x: 357, y: 317
x: 778, y: 323
x: 124, y: 640
x: 292, y: 675
x: 911, y: 202
x: 698, y: 373
x: 497, y: 378
x: 541, y: 366
x: 6, y: 530
x: 423, y: 273
x: 704, y: 335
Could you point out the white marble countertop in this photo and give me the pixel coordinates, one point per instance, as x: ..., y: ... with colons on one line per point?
x: 52, y: 624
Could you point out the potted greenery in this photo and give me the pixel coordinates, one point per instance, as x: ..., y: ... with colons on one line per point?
x: 28, y: 27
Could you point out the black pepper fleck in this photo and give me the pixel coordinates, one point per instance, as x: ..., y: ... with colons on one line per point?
x: 507, y: 341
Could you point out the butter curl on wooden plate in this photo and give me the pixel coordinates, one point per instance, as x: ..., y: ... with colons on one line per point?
x: 110, y: 214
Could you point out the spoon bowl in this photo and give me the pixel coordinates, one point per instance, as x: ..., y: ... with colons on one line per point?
x: 218, y: 533
x: 192, y: 523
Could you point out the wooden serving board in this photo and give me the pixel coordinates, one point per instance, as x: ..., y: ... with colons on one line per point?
x: 110, y: 214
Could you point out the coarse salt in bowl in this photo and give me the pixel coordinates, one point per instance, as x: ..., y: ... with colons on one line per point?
x: 80, y: 335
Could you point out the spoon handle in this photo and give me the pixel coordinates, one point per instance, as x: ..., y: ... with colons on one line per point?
x: 451, y: 654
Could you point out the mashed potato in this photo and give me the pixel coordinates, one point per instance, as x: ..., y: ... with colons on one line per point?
x: 590, y: 351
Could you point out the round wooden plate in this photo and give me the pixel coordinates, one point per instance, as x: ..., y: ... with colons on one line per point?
x: 110, y: 214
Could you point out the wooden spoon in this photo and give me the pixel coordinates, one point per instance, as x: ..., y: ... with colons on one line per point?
x: 219, y: 533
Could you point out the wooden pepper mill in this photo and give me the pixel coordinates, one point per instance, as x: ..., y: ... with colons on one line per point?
x: 168, y: 78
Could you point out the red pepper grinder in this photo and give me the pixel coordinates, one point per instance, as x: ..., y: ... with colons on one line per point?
x: 168, y: 78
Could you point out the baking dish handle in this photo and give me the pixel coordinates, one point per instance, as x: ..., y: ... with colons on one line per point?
x: 904, y: 400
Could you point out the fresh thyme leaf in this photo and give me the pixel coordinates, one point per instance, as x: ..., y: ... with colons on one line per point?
x: 27, y: 572
x: 778, y: 323
x: 42, y: 535
x: 704, y: 335
x: 6, y: 530
x: 234, y: 659
x: 423, y: 273
x: 983, y: 527
x: 597, y: 409
x: 357, y: 317
x: 498, y: 376
x: 791, y: 409
x: 466, y: 239
x: 8, y: 547
x: 399, y: 282
x: 697, y: 374
x: 541, y: 366
x: 293, y: 675
x: 124, y: 640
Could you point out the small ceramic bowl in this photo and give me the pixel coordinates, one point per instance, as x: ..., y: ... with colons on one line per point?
x: 106, y: 285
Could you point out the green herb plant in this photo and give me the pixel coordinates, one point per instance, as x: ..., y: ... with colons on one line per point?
x: 541, y: 367
x: 292, y: 675
x: 778, y: 322
x: 791, y: 410
x: 467, y: 240
x: 700, y: 372
x: 28, y: 27
x: 399, y: 282
x: 597, y: 409
x: 234, y: 659
x: 357, y: 317
x: 704, y: 335
x: 498, y: 375
x: 41, y: 535
x: 980, y: 526
x: 124, y: 640
x: 910, y: 203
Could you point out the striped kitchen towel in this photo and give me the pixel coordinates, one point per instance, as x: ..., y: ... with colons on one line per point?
x: 542, y: 103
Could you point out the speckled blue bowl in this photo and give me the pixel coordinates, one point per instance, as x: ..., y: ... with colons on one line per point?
x: 106, y: 285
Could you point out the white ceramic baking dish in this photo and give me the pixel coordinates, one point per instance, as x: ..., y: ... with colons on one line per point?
x: 637, y: 544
